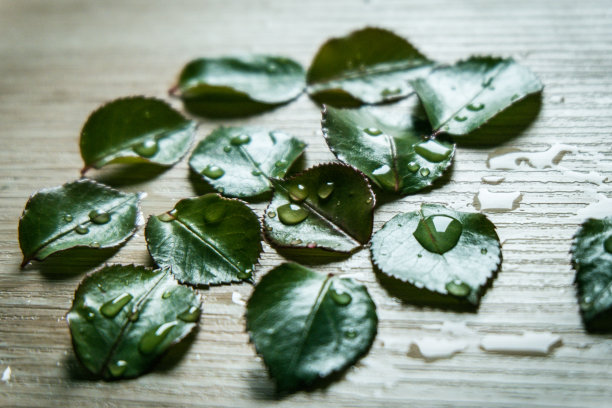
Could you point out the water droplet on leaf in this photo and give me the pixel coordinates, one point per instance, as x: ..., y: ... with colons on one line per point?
x: 256, y: 173
x: 240, y: 140
x: 390, y: 92
x: 424, y: 172
x: 438, y: 233
x: 227, y: 149
x: 166, y: 294
x: 458, y: 288
x: 298, y: 192
x: 81, y: 229
x: 372, y: 131
x: 117, y: 368
x: 432, y: 151
x: 413, y: 167
x: 213, y: 172
x: 271, y: 214
x: 67, y: 217
x: 325, y: 190
x: 460, y: 118
x: 487, y: 82
x: 350, y: 334
x: 341, y: 298
x: 113, y: 307
x: 475, y: 107
x: 147, y: 148
x: 245, y: 275
x: 291, y: 214
x: 484, y: 251
x: 99, y: 216
x: 95, y: 244
x: 151, y: 339
x: 190, y: 315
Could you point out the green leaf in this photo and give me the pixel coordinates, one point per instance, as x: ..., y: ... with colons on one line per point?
x: 124, y: 317
x: 206, y: 240
x: 240, y: 161
x: 329, y: 207
x: 388, y: 145
x: 460, y: 98
x: 82, y: 213
x: 592, y: 260
x: 308, y: 325
x: 135, y: 129
x: 371, y: 65
x: 449, y: 252
x: 239, y: 86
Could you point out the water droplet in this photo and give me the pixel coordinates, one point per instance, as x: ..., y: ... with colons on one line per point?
x: 113, y: 307
x: 87, y: 312
x: 81, y: 229
x: 384, y: 175
x: 311, y: 245
x: 432, y: 151
x: 271, y: 214
x: 298, y: 192
x: 166, y: 294
x: 117, y: 368
x: 390, y: 92
x: 99, y: 216
x: 134, y: 315
x: 151, y: 339
x: 458, y: 288
x: 325, y: 190
x: 240, y: 139
x: 419, y: 255
x: 484, y: 251
x: 256, y: 173
x: 291, y: 214
x: 95, y: 244
x: 147, y: 148
x: 269, y: 228
x: 369, y: 200
x: 227, y: 149
x: 438, y: 233
x: 296, y: 242
x: 372, y: 131
x: 413, y: 167
x: 475, y: 107
x: 281, y: 163
x: 190, y: 315
x: 487, y: 82
x: 514, y: 97
x: 166, y: 217
x: 67, y: 217
x: 424, y: 172
x: 460, y: 118
x: 213, y: 172
x: 245, y: 275
x: 608, y: 244
x: 340, y: 297
x: 350, y: 334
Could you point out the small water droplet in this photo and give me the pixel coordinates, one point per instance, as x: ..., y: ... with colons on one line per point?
x: 458, y: 288
x: 227, y: 149
x: 475, y: 107
x: 113, y: 307
x: 514, y: 97
x: 134, y: 315
x: 413, y: 167
x: 95, y: 244
x: 487, y: 82
x: 350, y: 334
x: 419, y: 255
x: 372, y: 131
x: 460, y: 118
x: 438, y: 233
x: 117, y: 368
x: 291, y: 214
x: 325, y: 190
x: 256, y: 173
x: 166, y: 294
x: 81, y: 229
x: 67, y: 217
x: 147, y: 148
x: 296, y: 242
x: 240, y: 140
x: 340, y: 297
x: 99, y: 216
x: 153, y: 338
x: 166, y: 217
x: 271, y: 214
x: 298, y: 192
x: 87, y: 312
x: 245, y: 274
x: 432, y: 151
x: 369, y: 200
x: 424, y: 172
x: 484, y: 251
x: 384, y: 175
x: 191, y: 314
x: 213, y: 172
x: 608, y: 244
x: 281, y: 163
x: 311, y: 245
x: 101, y: 287
x: 390, y: 92
x: 269, y: 228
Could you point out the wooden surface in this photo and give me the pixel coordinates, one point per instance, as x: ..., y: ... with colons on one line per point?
x: 59, y: 60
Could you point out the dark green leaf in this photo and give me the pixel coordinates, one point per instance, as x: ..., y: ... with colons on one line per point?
x: 444, y: 251
x: 388, y: 145
x: 308, y: 325
x: 239, y: 86
x: 371, y: 65
x: 592, y: 259
x: 206, y: 240
x: 239, y: 161
x: 82, y: 213
x: 124, y: 317
x: 460, y: 98
x: 328, y: 207
x: 135, y: 129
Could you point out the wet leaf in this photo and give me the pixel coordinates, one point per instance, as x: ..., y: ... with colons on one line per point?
x: 460, y: 98
x: 239, y: 161
x: 388, y: 145
x: 239, y: 86
x: 371, y: 65
x: 206, y: 240
x: 592, y: 260
x: 135, y: 129
x: 308, y: 326
x: 124, y: 317
x: 449, y: 252
x: 328, y: 207
x: 82, y: 213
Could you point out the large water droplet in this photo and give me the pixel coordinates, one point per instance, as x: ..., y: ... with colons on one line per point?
x: 458, y: 288
x: 433, y: 151
x: 191, y: 314
x: 460, y: 118
x: 81, y: 229
x: 151, y: 339
x: 67, y: 217
x: 325, y: 190
x: 99, y: 216
x: 384, y: 175
x: 240, y: 139
x: 298, y: 192
x: 213, y: 172
x: 475, y: 107
x: 117, y: 368
x: 608, y: 244
x: 340, y: 297
x: 291, y: 214
x: 147, y: 148
x: 438, y: 233
x: 113, y: 307
x: 372, y: 131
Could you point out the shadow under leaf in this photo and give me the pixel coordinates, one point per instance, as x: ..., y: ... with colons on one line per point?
x: 120, y: 175
x: 66, y: 264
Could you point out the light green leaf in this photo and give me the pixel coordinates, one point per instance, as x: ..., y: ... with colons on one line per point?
x: 82, y: 213
x: 308, y: 326
x: 135, y: 129
x: 124, y: 317
x: 206, y: 240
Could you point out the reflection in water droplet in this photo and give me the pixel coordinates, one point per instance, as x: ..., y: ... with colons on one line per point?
x: 147, y: 148
x: 81, y: 229
x: 325, y: 190
x: 458, y: 288
x: 113, y: 307
x: 608, y: 244
x: 291, y: 214
x: 372, y: 131
x: 460, y: 118
x: 67, y: 217
x: 484, y: 251
x: 151, y: 339
x: 281, y: 163
x: 213, y: 172
x: 475, y: 107
x: 424, y: 172
x: 166, y: 217
x: 438, y: 233
x: 227, y: 149
x: 190, y: 315
x: 117, y: 368
x: 340, y: 297
x: 384, y: 175
x: 99, y: 216
x: 433, y: 151
x: 298, y: 192
x: 240, y: 140
x: 413, y: 167
x: 350, y: 334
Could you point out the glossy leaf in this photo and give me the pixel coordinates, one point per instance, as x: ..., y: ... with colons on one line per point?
x: 135, y: 129
x: 239, y: 86
x: 449, y: 252
x: 371, y: 65
x: 307, y: 325
x: 82, y: 213
x: 206, y: 240
x: 460, y: 98
x: 329, y: 207
x: 239, y: 161
x: 388, y: 145
x: 124, y: 317
x: 592, y: 259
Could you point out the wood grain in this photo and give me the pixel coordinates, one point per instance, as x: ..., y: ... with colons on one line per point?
x: 59, y: 60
